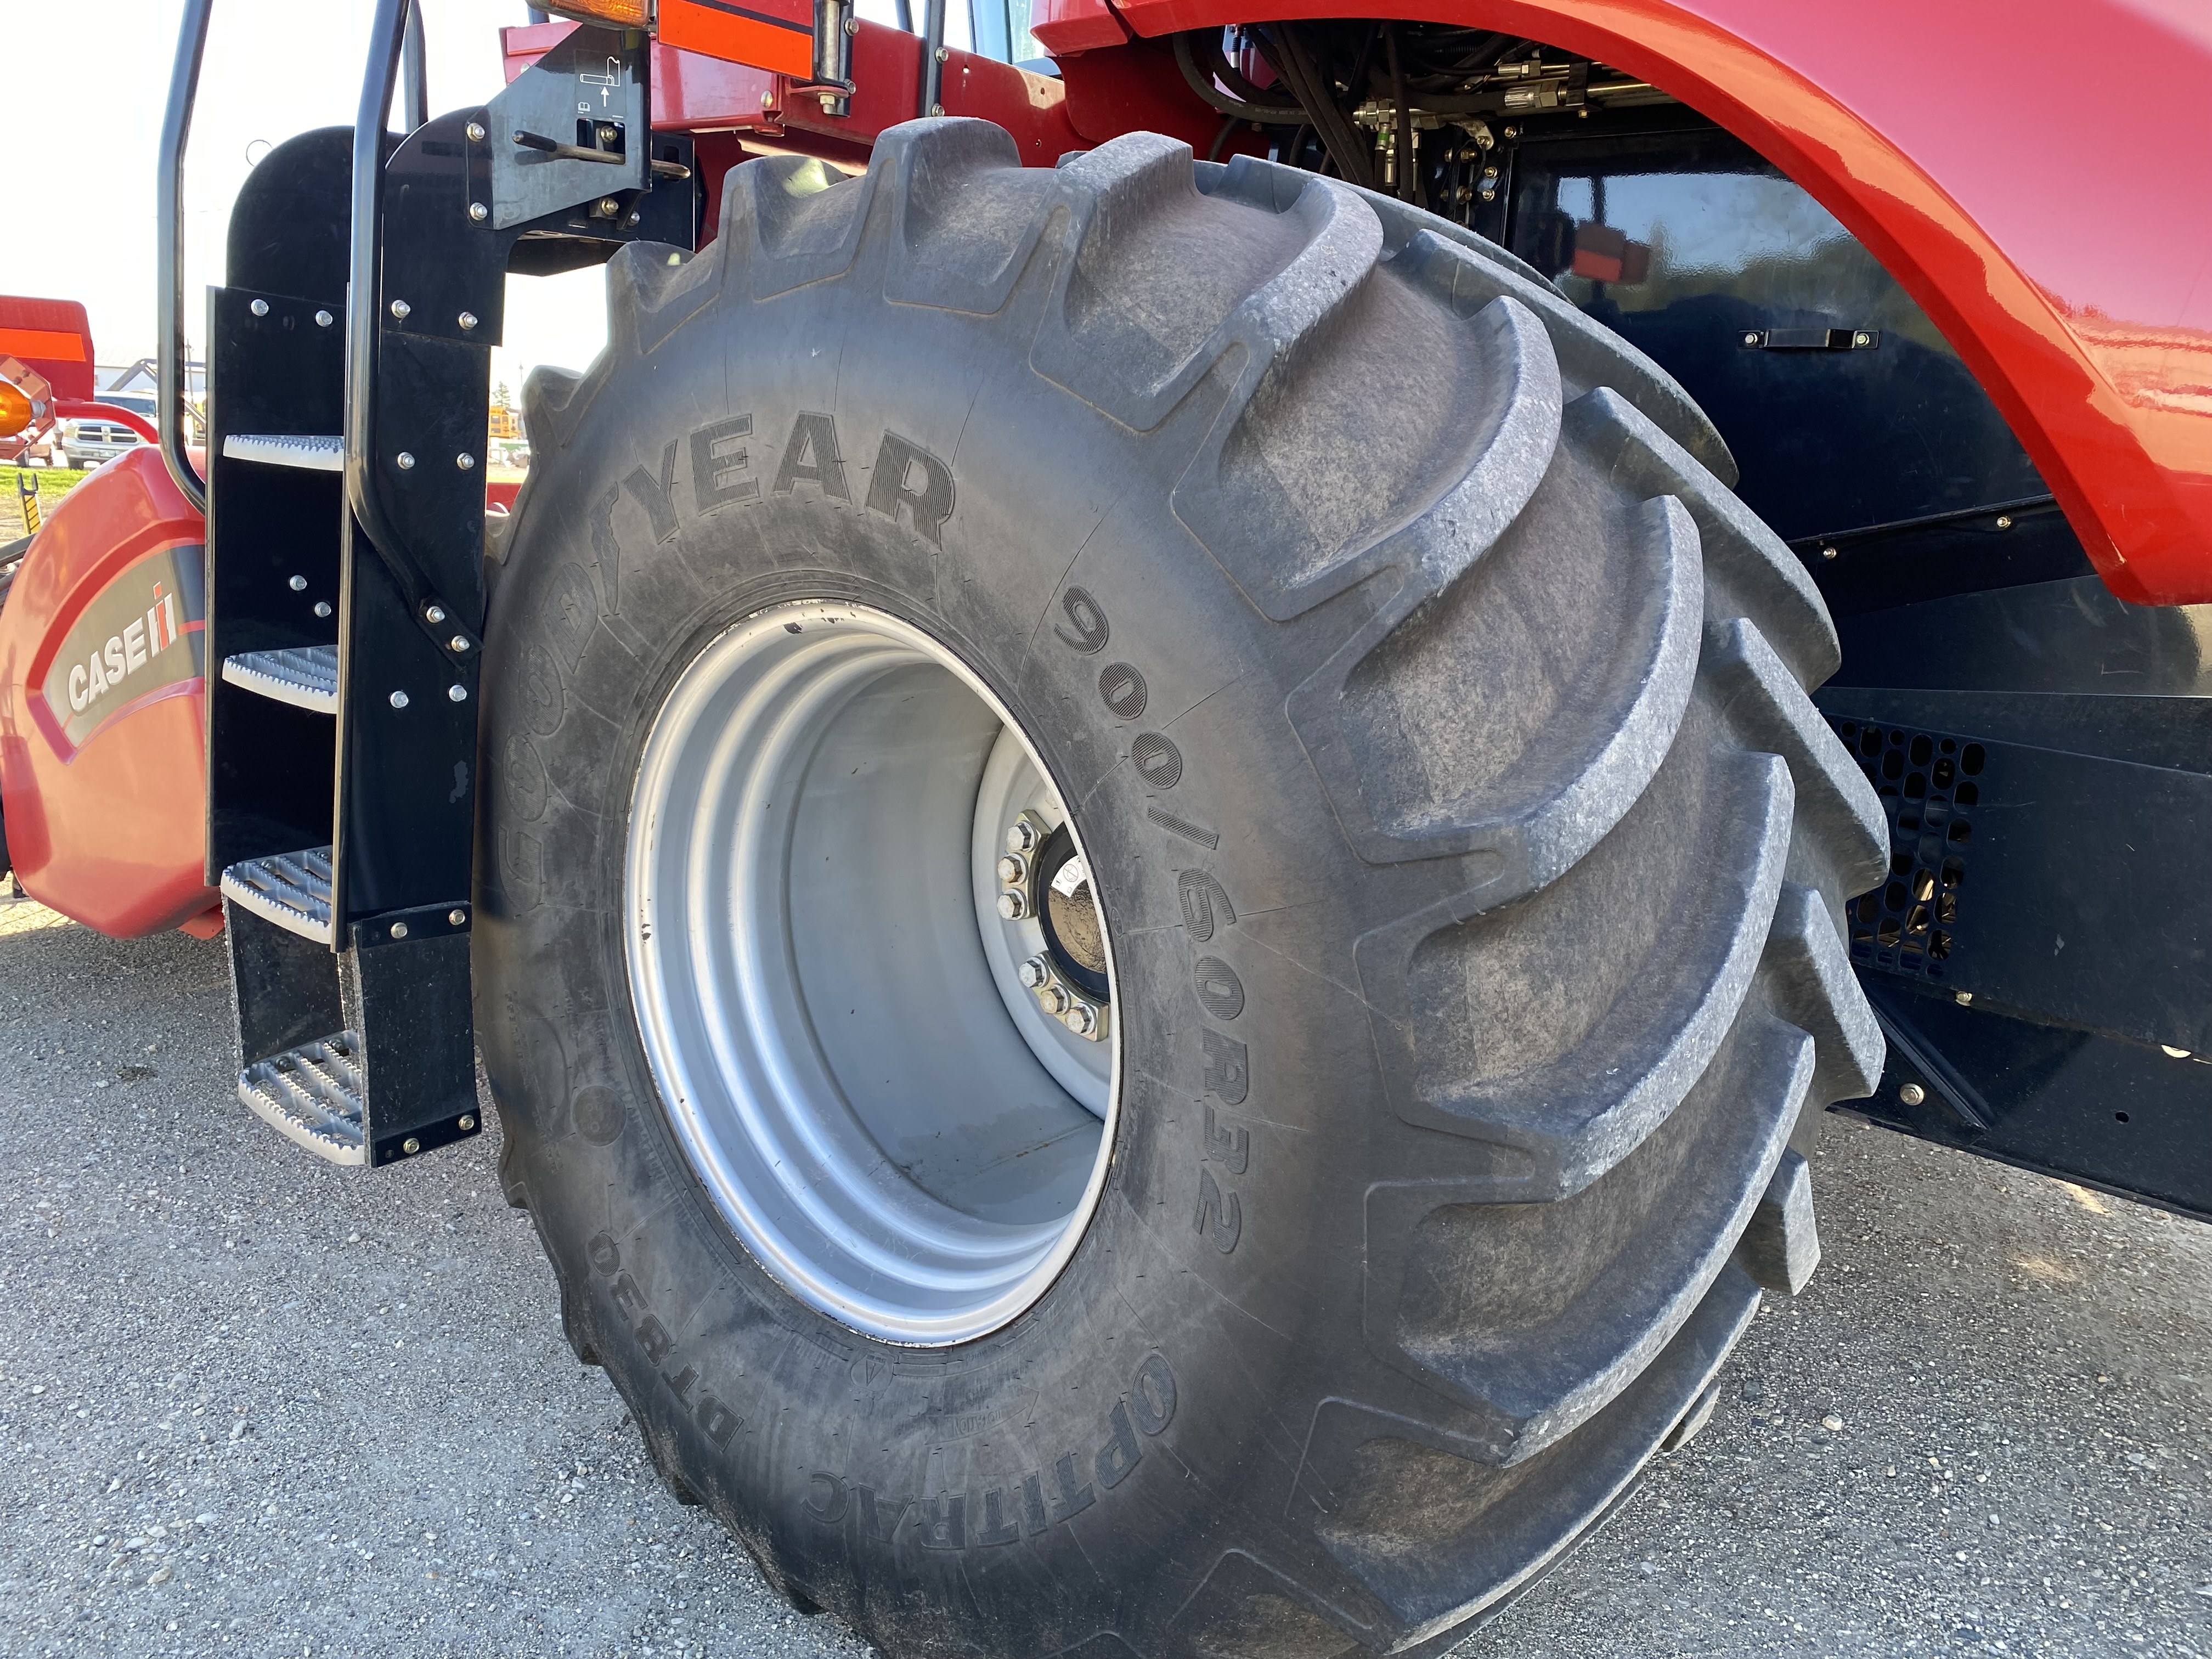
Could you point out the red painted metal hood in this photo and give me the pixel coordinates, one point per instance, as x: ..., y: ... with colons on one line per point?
x: 103, y: 697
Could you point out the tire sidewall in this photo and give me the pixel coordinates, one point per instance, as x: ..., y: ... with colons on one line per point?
x: 1227, y: 1244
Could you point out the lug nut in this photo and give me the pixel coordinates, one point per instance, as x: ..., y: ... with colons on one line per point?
x: 1022, y: 836
x: 1013, y: 906
x: 259, y: 307
x: 1082, y: 1019
x: 1013, y: 869
x: 1912, y: 1094
x: 400, y: 309
x: 1055, y: 999
x: 1033, y: 973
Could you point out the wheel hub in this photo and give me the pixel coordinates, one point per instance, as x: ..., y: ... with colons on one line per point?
x: 888, y: 1059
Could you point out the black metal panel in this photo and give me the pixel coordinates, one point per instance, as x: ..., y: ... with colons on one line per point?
x: 288, y: 225
x: 2174, y: 733
x: 408, y: 804
x: 2064, y: 636
x: 284, y: 989
x: 2002, y: 546
x: 2041, y: 880
x: 410, y: 1001
x: 2127, y: 1117
x: 269, y: 764
x: 438, y: 260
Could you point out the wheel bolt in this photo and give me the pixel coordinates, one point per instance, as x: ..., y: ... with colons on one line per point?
x: 1012, y: 869
x: 1013, y: 906
x: 1082, y: 1019
x: 1033, y: 973
x: 1021, y: 837
x: 1055, y: 999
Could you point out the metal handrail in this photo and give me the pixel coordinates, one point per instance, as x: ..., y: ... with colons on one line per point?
x: 933, y: 70
x: 386, y: 44
x: 176, y: 130
x: 415, y: 110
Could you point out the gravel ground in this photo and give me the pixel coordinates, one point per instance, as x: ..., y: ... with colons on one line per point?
x: 250, y: 1405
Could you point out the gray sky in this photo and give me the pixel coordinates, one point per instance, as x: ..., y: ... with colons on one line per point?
x: 86, y: 84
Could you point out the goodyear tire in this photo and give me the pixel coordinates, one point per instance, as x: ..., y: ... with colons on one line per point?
x: 1433, y: 720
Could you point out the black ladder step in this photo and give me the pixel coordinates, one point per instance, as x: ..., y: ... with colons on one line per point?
x: 305, y: 676
x: 313, y: 1095
x: 313, y: 453
x: 292, y: 889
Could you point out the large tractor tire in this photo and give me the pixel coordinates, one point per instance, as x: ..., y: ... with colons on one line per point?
x: 1158, y: 898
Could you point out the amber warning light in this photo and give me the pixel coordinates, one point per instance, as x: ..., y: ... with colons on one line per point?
x: 624, y: 14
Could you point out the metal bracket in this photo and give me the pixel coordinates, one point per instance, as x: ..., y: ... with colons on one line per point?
x: 573, y: 127
x: 1810, y: 339
x: 832, y: 80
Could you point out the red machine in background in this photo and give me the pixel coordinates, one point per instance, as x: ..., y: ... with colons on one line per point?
x: 102, y: 694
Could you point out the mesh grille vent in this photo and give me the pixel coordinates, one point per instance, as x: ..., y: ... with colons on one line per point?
x: 1930, y: 786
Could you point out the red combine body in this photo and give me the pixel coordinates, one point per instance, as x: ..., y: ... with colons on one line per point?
x: 1184, y: 778
x: 103, y: 708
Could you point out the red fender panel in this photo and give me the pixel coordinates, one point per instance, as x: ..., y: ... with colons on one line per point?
x: 2037, y: 173
x: 103, y: 698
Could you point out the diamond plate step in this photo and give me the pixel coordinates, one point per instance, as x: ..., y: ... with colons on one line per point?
x: 313, y: 1095
x: 305, y: 676
x: 315, y: 454
x: 292, y: 889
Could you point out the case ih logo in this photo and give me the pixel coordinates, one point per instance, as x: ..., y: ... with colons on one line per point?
x: 140, y: 639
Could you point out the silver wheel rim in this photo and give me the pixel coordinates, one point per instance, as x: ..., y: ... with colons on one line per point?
x: 828, y: 994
